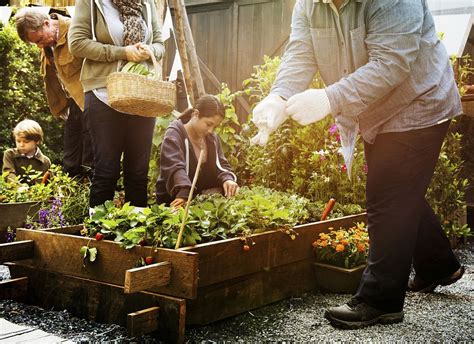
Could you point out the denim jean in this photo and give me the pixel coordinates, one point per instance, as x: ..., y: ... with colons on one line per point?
x: 115, y: 136
x: 402, y: 226
x: 78, y: 158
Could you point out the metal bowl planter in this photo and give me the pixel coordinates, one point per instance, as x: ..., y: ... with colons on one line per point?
x: 13, y: 215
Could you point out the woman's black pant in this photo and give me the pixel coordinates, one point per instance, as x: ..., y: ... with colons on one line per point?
x: 117, y: 136
x: 403, y: 228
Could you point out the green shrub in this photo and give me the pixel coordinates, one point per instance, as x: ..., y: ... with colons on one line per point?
x: 447, y: 189
x: 22, y: 94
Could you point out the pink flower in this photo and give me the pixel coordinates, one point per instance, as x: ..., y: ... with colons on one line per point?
x: 338, y: 138
x: 343, y: 168
x: 365, y: 168
x: 333, y: 129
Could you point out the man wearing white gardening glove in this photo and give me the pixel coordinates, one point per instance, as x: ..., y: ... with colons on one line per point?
x: 309, y: 106
x: 268, y: 115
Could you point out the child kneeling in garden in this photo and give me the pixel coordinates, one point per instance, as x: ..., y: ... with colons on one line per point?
x: 184, y: 139
x: 16, y: 161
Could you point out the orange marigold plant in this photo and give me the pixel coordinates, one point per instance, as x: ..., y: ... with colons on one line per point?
x: 346, y: 248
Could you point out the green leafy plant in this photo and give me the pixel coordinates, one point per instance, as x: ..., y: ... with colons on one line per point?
x: 345, y: 248
x: 210, y: 217
x: 88, y: 254
x: 446, y: 195
x: 463, y: 71
x: 298, y: 159
x: 137, y: 68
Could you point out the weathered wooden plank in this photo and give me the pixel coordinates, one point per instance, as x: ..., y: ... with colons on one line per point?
x: 61, y: 253
x: 16, y: 250
x: 225, y: 260
x: 147, y: 277
x: 14, y: 289
x: 101, y: 302
x: 73, y: 230
x: 228, y: 298
x: 142, y: 322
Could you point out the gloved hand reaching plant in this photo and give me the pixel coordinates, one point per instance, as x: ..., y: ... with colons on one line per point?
x: 309, y: 106
x: 268, y: 115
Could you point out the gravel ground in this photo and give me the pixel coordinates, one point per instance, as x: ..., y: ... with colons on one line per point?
x: 444, y: 316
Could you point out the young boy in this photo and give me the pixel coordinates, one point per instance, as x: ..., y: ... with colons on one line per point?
x: 28, y: 135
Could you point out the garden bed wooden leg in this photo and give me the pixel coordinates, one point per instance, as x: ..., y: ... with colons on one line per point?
x: 101, y: 302
x: 16, y: 250
x: 14, y: 289
x: 142, y: 322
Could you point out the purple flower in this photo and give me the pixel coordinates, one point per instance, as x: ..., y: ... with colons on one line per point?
x: 44, y: 217
x: 333, y: 129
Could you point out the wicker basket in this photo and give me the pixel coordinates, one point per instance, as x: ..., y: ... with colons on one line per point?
x: 139, y: 95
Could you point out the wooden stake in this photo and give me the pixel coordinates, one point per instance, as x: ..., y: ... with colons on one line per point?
x: 181, y: 39
x: 193, y: 57
x: 190, y: 197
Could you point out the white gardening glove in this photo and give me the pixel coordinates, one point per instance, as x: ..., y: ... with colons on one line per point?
x: 309, y: 106
x: 268, y: 115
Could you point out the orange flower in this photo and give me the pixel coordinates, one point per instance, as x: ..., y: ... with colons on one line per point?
x: 360, y: 247
x: 323, y: 236
x: 339, y: 248
x: 344, y: 242
x: 323, y: 243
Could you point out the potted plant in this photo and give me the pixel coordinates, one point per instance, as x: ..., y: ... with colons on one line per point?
x: 341, y: 256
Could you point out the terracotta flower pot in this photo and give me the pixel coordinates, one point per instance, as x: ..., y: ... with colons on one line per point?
x: 335, y: 279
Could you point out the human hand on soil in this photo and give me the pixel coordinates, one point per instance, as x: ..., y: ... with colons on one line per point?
x: 231, y: 188
x: 178, y: 202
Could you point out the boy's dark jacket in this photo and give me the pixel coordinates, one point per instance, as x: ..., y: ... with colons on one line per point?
x: 178, y: 164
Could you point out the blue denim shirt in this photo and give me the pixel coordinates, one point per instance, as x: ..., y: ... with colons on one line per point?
x: 384, y: 67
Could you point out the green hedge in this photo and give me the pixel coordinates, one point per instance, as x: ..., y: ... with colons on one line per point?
x: 22, y: 94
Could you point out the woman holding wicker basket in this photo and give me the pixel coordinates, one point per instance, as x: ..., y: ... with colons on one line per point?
x: 107, y: 34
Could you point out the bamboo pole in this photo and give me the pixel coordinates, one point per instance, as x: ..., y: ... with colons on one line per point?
x: 193, y: 57
x: 181, y: 39
x: 190, y: 197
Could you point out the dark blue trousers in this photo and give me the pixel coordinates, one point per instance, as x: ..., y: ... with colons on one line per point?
x: 402, y: 226
x: 117, y: 136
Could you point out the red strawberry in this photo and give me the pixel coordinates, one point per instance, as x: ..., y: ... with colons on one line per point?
x: 99, y: 236
x: 149, y: 260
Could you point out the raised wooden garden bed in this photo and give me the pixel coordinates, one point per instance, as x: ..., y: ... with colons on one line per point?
x: 193, y: 285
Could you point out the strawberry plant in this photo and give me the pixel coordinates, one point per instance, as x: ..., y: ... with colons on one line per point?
x: 210, y: 217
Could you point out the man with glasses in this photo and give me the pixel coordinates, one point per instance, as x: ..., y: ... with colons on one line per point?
x: 60, y: 70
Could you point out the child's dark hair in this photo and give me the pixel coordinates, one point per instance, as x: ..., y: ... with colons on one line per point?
x: 207, y: 106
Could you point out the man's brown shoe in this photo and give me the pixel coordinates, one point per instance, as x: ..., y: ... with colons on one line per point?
x: 419, y: 285
x: 357, y: 314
